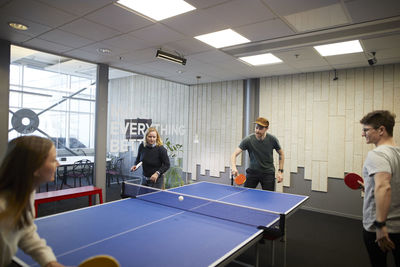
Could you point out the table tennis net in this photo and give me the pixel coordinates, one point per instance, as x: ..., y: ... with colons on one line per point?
x: 213, y: 208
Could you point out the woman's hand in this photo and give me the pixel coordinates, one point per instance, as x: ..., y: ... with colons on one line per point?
x: 154, y: 177
x: 133, y: 168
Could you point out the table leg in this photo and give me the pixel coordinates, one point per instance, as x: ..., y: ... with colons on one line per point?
x: 36, y: 208
x: 101, y: 197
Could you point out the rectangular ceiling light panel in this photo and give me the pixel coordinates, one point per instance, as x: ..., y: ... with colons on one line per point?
x: 222, y: 38
x: 262, y: 59
x: 158, y: 9
x: 339, y: 48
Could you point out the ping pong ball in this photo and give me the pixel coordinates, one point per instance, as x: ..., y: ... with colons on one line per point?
x: 180, y: 198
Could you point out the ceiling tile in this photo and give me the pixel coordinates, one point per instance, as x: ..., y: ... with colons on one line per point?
x: 126, y: 42
x: 93, y: 48
x: 17, y: 37
x: 305, y: 53
x: 287, y: 7
x: 205, y: 3
x: 157, y: 34
x: 149, y: 70
x: 166, y: 67
x: 77, y: 7
x: 83, y: 55
x: 345, y: 59
x: 139, y: 57
x: 308, y: 63
x: 376, y: 44
x: 273, y: 67
x: 350, y: 65
x: 90, y: 30
x: 239, y: 67
x: 265, y: 30
x: 65, y: 38
x: 368, y: 10
x: 195, y: 23
x: 319, y: 18
x: 37, y: 12
x: 392, y: 54
x: 314, y: 69
x: 119, y: 18
x: 44, y: 45
x: 188, y: 46
x: 389, y: 60
x: 238, y: 12
x: 213, y: 56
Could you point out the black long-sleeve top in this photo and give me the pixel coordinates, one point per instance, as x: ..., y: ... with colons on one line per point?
x: 153, y: 159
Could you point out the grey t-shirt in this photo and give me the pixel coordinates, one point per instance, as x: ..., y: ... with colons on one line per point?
x: 261, y: 152
x: 382, y: 159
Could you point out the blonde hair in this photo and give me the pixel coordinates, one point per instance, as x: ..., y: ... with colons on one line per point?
x: 24, y: 156
x: 159, y: 142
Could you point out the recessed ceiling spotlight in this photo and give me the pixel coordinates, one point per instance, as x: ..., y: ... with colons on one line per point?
x: 104, y: 50
x: 18, y: 26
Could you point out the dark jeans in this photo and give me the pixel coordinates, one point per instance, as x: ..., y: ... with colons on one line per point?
x: 376, y: 255
x: 267, y: 180
x: 158, y: 184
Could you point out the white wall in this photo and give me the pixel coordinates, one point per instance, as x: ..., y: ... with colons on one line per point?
x: 216, y: 116
x: 317, y: 119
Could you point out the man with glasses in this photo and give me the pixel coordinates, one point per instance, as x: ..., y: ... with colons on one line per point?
x: 260, y: 146
x: 381, y: 172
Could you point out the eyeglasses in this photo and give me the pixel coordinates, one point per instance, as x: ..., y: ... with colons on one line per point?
x: 365, y: 130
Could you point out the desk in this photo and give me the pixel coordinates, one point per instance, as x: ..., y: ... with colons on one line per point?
x: 69, y: 161
x: 141, y: 233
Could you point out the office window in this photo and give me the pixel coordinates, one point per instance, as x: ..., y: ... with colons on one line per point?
x: 54, y: 97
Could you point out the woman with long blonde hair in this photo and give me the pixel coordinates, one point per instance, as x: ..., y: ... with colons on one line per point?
x: 154, y: 158
x: 29, y: 161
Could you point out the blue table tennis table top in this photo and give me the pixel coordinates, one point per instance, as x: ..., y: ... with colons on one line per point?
x: 141, y: 233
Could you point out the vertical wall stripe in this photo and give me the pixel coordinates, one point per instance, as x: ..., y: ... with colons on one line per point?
x: 325, y: 115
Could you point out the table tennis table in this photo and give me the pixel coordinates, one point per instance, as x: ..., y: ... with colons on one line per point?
x: 138, y: 232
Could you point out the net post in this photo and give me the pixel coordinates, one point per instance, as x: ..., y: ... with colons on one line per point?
x: 123, y: 195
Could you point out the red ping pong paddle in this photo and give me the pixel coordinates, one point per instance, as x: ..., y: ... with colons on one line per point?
x: 351, y: 180
x: 240, y: 179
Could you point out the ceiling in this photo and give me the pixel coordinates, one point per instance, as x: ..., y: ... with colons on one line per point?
x: 287, y: 28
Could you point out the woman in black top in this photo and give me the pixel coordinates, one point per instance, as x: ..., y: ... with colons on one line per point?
x: 154, y: 158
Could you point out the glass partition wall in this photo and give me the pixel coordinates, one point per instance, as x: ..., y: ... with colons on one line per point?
x: 54, y: 97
